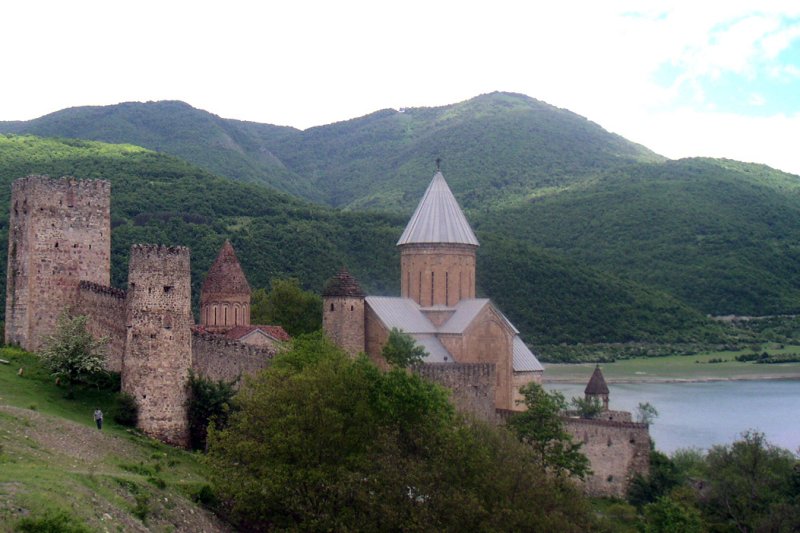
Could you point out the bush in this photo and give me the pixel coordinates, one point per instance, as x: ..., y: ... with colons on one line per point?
x: 126, y: 411
x: 51, y: 522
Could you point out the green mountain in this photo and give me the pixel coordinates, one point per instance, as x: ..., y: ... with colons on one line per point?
x: 230, y: 148
x: 721, y: 235
x: 159, y: 198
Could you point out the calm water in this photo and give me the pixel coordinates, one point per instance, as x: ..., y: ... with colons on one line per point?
x: 702, y: 414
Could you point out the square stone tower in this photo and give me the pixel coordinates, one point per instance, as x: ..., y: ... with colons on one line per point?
x: 59, y: 234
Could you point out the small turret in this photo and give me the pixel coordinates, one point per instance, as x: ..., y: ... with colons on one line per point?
x: 343, y: 312
x: 597, y: 388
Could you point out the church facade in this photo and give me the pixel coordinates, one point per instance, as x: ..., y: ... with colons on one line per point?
x: 438, y: 306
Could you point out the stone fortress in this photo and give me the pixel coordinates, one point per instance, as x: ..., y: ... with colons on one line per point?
x: 59, y: 258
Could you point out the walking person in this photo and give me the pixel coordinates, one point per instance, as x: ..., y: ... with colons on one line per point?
x: 98, y: 418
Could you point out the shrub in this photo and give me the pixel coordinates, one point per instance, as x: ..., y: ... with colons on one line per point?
x: 126, y: 411
x: 51, y: 522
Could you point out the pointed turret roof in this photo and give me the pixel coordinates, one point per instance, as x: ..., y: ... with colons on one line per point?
x: 226, y: 275
x: 438, y: 218
x: 597, y: 383
x: 343, y: 284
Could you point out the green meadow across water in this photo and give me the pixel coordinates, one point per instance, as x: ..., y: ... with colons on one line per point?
x: 680, y: 368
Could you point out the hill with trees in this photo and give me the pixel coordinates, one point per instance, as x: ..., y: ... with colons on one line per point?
x: 161, y: 199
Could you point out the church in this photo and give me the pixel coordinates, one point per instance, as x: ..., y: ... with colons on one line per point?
x: 438, y: 306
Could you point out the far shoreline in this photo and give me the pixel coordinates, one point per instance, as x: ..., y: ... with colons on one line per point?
x: 711, y: 379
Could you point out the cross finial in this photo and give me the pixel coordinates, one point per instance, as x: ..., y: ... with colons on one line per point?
x: 438, y: 163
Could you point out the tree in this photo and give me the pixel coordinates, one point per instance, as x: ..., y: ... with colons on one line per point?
x: 541, y: 427
x: 287, y: 305
x: 401, y: 350
x: 666, y: 515
x: 72, y: 354
x: 646, y: 413
x: 209, y: 402
x: 587, y: 407
x: 325, y: 442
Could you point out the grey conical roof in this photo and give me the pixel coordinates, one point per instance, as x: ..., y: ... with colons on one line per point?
x: 438, y: 218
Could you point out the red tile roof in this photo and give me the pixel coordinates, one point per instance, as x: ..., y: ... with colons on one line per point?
x: 276, y: 332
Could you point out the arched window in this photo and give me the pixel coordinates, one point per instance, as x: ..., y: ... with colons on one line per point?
x: 331, y: 307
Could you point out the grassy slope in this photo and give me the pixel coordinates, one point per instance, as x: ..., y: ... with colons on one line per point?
x: 53, y: 459
x: 157, y: 198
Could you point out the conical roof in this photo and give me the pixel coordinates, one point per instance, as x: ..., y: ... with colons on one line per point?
x: 226, y: 276
x: 343, y: 284
x: 597, y: 383
x: 438, y: 218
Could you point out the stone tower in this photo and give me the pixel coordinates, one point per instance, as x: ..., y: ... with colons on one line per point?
x: 158, y: 347
x: 59, y: 234
x: 225, y: 296
x: 437, y: 250
x: 343, y: 312
x: 597, y: 388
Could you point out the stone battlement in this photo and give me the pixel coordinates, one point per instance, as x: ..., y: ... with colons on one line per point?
x: 217, y: 358
x: 85, y: 186
x: 472, y: 385
x: 159, y: 250
x: 102, y: 289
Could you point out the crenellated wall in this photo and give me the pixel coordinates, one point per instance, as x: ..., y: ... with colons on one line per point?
x: 472, y: 385
x: 616, y: 450
x: 217, y: 358
x: 105, y: 307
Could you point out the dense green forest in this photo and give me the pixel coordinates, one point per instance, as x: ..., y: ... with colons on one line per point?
x: 161, y: 199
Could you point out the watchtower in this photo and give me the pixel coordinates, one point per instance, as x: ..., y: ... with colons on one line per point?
x: 158, y: 347
x: 343, y: 312
x: 59, y: 234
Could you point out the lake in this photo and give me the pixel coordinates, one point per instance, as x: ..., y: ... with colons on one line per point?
x: 703, y: 414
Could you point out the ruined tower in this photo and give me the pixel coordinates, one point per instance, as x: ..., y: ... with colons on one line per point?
x: 225, y: 296
x: 59, y: 234
x: 437, y: 250
x: 158, y: 347
x: 343, y: 312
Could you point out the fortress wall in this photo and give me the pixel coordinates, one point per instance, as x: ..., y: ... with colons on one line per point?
x: 105, y: 308
x: 616, y: 450
x: 217, y: 358
x: 472, y: 385
x: 59, y: 234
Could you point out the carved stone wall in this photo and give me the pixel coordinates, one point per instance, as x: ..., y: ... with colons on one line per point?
x: 59, y: 234
x: 217, y: 358
x: 472, y: 385
x: 105, y: 309
x: 616, y: 450
x: 158, y: 349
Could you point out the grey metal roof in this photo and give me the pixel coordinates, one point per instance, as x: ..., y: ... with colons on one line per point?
x: 438, y: 218
x: 466, y: 311
x: 524, y: 360
x: 437, y: 353
x: 400, y: 313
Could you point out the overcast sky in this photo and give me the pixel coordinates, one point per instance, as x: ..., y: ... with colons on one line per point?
x: 695, y: 78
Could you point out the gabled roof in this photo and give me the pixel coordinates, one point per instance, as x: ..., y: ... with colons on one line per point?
x: 597, y: 383
x: 437, y: 353
x: 276, y: 332
x: 343, y: 284
x: 438, y: 218
x: 225, y: 276
x: 400, y: 313
x: 524, y: 360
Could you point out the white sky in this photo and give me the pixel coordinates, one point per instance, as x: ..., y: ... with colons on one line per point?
x: 691, y: 78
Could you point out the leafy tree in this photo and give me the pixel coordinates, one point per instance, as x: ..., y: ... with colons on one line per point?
x: 324, y: 442
x: 666, y: 515
x: 208, y: 402
x: 646, y: 413
x: 664, y: 476
x: 541, y: 426
x: 287, y: 305
x: 72, y: 354
x: 401, y: 350
x: 587, y: 407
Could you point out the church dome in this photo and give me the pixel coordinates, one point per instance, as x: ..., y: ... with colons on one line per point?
x: 343, y: 284
x: 225, y: 277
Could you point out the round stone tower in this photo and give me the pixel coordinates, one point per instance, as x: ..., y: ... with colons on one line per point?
x: 437, y: 250
x: 225, y: 296
x: 158, y: 347
x: 343, y: 312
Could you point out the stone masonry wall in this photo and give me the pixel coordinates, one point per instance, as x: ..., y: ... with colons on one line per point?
x: 617, y: 451
x: 343, y: 322
x: 105, y: 308
x: 158, y: 349
x: 472, y: 385
x: 437, y: 274
x: 217, y: 358
x: 59, y: 234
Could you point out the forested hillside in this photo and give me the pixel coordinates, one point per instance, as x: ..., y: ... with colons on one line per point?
x: 161, y: 199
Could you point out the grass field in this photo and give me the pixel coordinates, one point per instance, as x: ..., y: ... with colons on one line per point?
x: 59, y: 473
x: 678, y: 367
